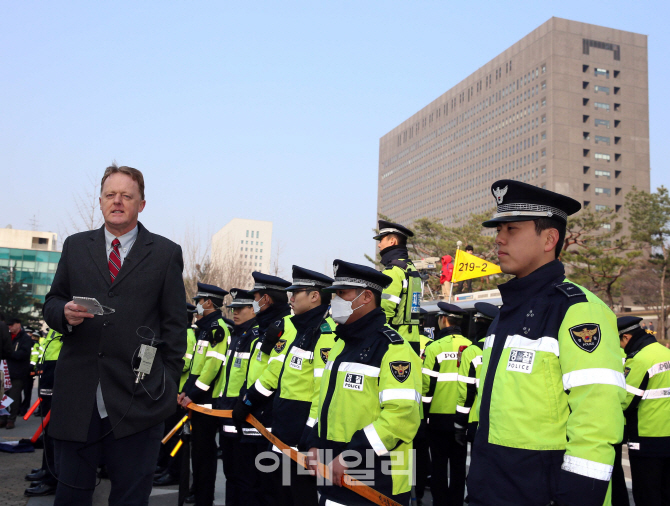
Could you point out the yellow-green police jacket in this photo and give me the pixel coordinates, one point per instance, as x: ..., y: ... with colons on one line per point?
x: 549, y: 396
x: 647, y: 404
x: 188, y: 356
x: 468, y: 382
x: 401, y: 300
x: 369, y: 403
x: 440, y: 377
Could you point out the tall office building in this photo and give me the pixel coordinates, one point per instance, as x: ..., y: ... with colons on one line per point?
x: 566, y: 108
x: 29, y: 258
x: 244, y: 245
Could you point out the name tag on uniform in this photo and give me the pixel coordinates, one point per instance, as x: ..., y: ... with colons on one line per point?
x: 353, y: 381
x: 259, y: 356
x: 238, y: 362
x: 521, y: 361
x: 296, y: 363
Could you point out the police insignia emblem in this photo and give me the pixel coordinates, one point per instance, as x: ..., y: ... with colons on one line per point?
x: 280, y: 345
x: 234, y: 294
x: 400, y: 370
x: 499, y: 194
x: 324, y: 354
x: 626, y: 371
x: 586, y: 336
x: 335, y: 267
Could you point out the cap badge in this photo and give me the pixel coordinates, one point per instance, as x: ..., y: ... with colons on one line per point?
x: 234, y: 294
x: 499, y: 194
x: 335, y: 267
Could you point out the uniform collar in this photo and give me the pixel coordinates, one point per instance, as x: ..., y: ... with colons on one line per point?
x: 449, y: 331
x: 244, y: 327
x: 639, y: 340
x: 519, y: 290
x: 311, y: 318
x: 206, y: 321
x: 391, y: 253
x: 362, y: 327
x: 275, y: 312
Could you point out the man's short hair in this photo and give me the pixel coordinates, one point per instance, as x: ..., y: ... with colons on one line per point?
x: 326, y: 297
x: 402, y: 240
x: 469, y: 248
x: 547, y: 223
x: 12, y: 321
x: 135, y: 174
x: 376, y: 294
x: 277, y: 296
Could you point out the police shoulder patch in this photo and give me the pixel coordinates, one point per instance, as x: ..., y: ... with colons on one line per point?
x: 586, y: 336
x: 569, y: 289
x: 323, y: 353
x: 393, y: 336
x: 280, y: 345
x: 400, y: 370
x: 399, y: 263
x: 626, y: 371
x: 255, y: 331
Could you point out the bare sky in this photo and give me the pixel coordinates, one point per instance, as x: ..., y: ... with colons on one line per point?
x: 270, y: 110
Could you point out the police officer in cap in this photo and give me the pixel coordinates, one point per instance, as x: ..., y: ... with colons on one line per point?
x: 237, y: 465
x: 401, y: 300
x: 273, y: 315
x: 370, y: 393
x: 647, y: 410
x: 211, y: 346
x: 468, y: 374
x: 551, y: 383
x: 440, y: 393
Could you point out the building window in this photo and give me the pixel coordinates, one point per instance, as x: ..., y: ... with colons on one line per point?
x: 544, y: 68
x: 602, y: 140
x: 544, y: 85
x: 602, y: 156
x: 603, y: 191
x: 601, y: 72
x: 607, y: 226
x: 544, y: 153
x: 602, y: 122
x: 601, y: 105
x: 603, y: 173
x: 602, y: 207
x: 601, y: 89
x: 544, y: 136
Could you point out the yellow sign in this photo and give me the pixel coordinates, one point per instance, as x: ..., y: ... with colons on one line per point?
x: 467, y: 266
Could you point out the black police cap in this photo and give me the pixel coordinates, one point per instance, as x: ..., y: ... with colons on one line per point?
x: 388, y: 227
x: 450, y: 310
x: 267, y: 282
x: 305, y: 278
x: 519, y: 201
x: 627, y: 324
x: 486, y: 310
x: 348, y: 275
x: 241, y: 298
x: 206, y: 291
x: 190, y: 308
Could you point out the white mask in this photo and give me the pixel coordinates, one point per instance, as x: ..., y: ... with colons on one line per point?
x: 199, y: 309
x: 257, y: 307
x: 341, y: 309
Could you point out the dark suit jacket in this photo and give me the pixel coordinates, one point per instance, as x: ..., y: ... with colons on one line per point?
x: 18, y: 361
x: 5, y: 341
x: 148, y: 291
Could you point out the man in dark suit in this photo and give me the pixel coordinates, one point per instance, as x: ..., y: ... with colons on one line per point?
x: 18, y: 364
x: 102, y: 409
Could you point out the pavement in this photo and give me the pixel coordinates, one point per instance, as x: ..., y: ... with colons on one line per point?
x: 14, y: 466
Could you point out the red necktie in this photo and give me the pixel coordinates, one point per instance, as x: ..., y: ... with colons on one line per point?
x: 114, y: 260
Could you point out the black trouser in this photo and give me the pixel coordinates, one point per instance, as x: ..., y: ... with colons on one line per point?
x: 130, y: 462
x: 203, y: 456
x: 651, y: 486
x: 261, y: 492
x: 447, y: 454
x: 239, y: 472
x: 292, y: 488
x: 27, y: 393
x: 619, y: 490
x: 15, y: 394
x: 422, y: 460
x: 49, y: 451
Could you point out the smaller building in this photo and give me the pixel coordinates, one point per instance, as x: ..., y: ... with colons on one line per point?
x: 243, y: 245
x: 30, y: 257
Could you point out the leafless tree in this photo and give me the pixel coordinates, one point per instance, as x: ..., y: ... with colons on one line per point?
x: 84, y: 213
x: 275, y: 268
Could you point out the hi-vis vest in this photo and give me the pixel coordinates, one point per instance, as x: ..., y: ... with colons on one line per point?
x: 214, y: 358
x: 260, y: 361
x: 647, y: 405
x: 468, y: 383
x: 401, y: 300
x: 188, y: 356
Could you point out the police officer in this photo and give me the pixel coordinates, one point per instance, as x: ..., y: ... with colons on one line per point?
x: 168, y: 469
x: 238, y: 467
x: 44, y: 480
x: 421, y: 445
x: 273, y: 315
x: 370, y: 393
x: 551, y: 384
x: 401, y: 300
x: 647, y: 410
x: 211, y: 345
x: 468, y: 374
x: 440, y: 393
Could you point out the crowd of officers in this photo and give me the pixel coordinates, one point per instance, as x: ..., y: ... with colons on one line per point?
x: 538, y: 388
